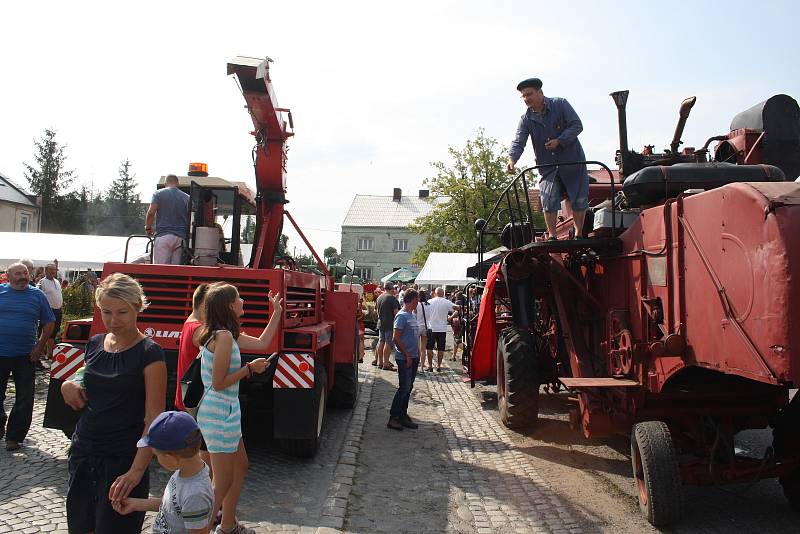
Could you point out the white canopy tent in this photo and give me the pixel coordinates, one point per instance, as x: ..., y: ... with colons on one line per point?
x: 72, y: 251
x: 446, y: 269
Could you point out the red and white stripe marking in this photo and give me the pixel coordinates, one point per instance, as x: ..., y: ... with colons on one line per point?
x: 294, y: 371
x: 66, y: 360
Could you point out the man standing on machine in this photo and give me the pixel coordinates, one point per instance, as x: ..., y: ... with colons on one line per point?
x: 553, y: 127
x: 170, y: 210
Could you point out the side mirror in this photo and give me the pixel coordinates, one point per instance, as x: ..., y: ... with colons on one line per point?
x: 350, y: 266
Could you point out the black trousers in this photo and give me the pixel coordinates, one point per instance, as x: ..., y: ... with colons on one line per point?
x: 19, y: 420
x: 88, y: 507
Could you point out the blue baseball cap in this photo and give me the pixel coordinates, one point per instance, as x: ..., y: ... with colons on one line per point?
x: 171, y: 431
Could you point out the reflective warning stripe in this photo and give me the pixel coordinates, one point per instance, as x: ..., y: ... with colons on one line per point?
x: 66, y: 360
x: 294, y: 371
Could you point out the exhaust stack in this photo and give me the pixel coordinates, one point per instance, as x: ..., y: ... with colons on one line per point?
x: 621, y: 100
x: 683, y: 114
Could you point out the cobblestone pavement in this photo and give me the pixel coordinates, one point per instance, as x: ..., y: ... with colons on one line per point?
x: 281, y: 493
x: 457, y: 473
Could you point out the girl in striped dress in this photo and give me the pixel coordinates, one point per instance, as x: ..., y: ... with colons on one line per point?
x: 219, y: 416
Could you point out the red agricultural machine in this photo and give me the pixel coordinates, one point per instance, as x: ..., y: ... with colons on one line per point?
x: 676, y: 321
x: 317, y: 342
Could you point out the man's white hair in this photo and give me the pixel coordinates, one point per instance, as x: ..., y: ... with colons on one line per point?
x: 18, y: 264
x: 439, y: 291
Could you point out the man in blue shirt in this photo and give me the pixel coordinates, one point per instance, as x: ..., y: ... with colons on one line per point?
x: 22, y: 308
x: 553, y: 127
x: 406, y: 343
x: 172, y: 224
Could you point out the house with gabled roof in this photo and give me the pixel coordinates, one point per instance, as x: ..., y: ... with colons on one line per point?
x: 376, y: 233
x: 19, y: 211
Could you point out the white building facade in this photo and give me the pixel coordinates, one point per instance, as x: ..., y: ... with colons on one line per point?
x: 19, y: 211
x: 376, y: 233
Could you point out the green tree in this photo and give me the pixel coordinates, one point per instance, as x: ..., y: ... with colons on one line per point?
x: 249, y: 231
x: 331, y: 255
x: 82, y: 211
x: 49, y: 179
x: 123, y: 208
x: 283, y: 244
x: 471, y: 183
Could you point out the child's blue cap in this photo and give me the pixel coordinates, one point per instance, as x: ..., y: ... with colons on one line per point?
x: 171, y: 431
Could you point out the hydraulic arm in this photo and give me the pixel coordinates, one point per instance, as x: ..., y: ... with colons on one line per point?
x: 269, y: 154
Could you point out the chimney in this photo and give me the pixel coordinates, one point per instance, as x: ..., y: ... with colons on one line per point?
x: 397, y: 194
x: 424, y: 193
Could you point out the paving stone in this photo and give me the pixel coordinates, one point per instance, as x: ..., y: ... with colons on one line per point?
x: 281, y: 493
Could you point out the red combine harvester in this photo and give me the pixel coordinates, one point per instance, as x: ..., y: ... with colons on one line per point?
x: 317, y: 339
x: 676, y: 321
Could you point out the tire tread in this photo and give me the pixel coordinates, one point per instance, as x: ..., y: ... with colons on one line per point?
x: 521, y: 406
x: 662, y: 474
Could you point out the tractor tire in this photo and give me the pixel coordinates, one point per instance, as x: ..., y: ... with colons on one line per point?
x: 308, y: 447
x: 791, y: 489
x: 656, y: 472
x: 517, y: 379
x: 786, y: 443
x: 345, y: 382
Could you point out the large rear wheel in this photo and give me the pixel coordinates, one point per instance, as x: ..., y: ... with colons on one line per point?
x: 345, y: 380
x: 786, y: 442
x: 517, y: 379
x: 656, y: 472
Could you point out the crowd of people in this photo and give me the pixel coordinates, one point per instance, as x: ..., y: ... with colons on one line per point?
x: 412, y: 326
x: 120, y: 393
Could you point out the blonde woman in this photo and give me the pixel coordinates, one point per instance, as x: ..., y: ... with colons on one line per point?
x: 123, y: 389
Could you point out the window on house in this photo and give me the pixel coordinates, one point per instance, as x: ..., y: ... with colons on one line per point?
x: 24, y: 223
x: 400, y: 245
x: 364, y: 243
x: 365, y: 273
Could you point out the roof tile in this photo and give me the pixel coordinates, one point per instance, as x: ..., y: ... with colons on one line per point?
x: 382, y: 211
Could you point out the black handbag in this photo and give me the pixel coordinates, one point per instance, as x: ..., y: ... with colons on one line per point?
x: 192, y: 388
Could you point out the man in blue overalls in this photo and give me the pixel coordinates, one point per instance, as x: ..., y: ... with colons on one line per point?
x: 553, y: 127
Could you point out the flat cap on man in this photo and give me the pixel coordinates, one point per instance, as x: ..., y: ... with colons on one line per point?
x: 536, y: 83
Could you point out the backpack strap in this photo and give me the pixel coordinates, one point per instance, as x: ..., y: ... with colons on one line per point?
x: 212, y: 336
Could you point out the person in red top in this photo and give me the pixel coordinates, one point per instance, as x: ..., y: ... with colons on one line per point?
x: 187, y: 350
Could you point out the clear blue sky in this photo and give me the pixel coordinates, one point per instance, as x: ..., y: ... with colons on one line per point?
x: 378, y: 90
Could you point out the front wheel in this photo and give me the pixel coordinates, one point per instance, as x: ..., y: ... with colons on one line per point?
x: 656, y: 472
x: 517, y: 379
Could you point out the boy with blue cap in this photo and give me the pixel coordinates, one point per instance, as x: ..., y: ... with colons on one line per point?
x: 188, y: 496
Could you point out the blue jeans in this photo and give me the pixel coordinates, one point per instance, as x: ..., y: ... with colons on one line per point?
x: 405, y: 376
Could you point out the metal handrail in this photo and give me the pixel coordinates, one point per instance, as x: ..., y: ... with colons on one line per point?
x: 521, y: 176
x: 149, y: 246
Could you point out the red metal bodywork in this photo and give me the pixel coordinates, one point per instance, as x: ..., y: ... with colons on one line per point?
x: 693, y: 319
x: 316, y: 320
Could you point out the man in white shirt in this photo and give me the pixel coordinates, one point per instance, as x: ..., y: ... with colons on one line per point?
x: 438, y: 311
x: 51, y: 287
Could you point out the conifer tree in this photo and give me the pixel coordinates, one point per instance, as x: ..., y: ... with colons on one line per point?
x: 48, y: 178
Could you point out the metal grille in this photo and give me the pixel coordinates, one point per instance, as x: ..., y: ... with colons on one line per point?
x: 301, y: 303
x: 171, y: 298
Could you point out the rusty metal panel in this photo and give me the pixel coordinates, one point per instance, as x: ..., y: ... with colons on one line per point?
x: 657, y: 270
x: 740, y: 275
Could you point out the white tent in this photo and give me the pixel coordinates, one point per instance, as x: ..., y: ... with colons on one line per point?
x: 71, y: 251
x: 446, y: 269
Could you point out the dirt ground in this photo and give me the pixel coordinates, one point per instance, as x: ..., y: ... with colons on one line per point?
x: 594, y: 477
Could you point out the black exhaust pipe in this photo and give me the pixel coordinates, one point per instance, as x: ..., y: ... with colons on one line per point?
x: 621, y: 100
x: 683, y: 114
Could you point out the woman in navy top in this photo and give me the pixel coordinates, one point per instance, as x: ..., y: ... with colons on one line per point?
x: 122, y: 390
